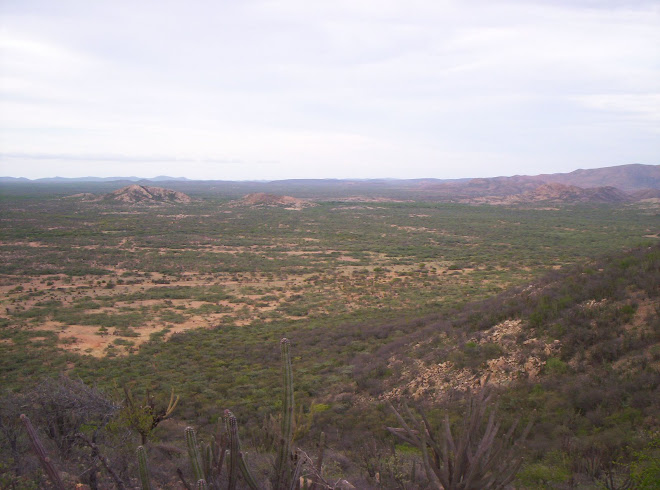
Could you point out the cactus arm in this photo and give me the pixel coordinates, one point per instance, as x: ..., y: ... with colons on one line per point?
x: 221, y: 458
x: 236, y: 459
x: 39, y: 450
x: 143, y: 468
x: 245, y: 471
x: 172, y: 405
x: 193, y: 453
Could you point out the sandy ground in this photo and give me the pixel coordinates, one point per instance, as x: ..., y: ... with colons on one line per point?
x: 21, y: 293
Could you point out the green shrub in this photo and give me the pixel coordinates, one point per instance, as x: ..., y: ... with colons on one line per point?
x: 555, y: 366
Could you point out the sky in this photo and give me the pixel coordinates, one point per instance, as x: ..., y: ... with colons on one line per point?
x: 278, y: 89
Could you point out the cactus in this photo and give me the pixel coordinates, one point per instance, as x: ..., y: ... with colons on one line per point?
x: 236, y: 458
x: 288, y: 467
x: 207, y: 460
x: 283, y: 469
x: 319, y: 463
x: 143, y: 468
x: 193, y: 452
x: 39, y: 450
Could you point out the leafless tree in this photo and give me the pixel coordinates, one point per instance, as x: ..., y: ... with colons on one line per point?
x: 476, y: 457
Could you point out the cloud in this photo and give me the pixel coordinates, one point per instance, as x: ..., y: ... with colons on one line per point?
x: 327, y: 89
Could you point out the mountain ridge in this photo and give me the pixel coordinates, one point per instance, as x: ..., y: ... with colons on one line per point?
x: 627, y: 177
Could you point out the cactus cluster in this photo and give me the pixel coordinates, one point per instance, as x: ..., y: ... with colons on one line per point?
x: 207, y: 462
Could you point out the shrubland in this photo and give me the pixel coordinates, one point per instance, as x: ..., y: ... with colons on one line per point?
x: 383, y: 303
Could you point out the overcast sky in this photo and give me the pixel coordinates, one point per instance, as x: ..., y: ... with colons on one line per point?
x: 229, y: 89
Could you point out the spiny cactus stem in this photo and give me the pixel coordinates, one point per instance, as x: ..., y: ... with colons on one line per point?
x: 193, y: 453
x: 143, y: 468
x: 236, y: 458
x: 232, y: 429
x: 245, y: 471
x: 284, y: 454
x: 207, y: 460
x: 39, y: 450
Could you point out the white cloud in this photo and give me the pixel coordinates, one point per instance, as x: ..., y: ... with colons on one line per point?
x: 327, y: 89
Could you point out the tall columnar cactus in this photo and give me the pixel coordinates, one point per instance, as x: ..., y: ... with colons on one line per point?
x: 283, y: 466
x: 40, y: 451
x: 193, y: 453
x: 143, y: 468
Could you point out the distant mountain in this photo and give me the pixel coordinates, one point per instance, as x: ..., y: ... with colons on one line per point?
x: 627, y: 178
x: 165, y: 178
x: 55, y: 180
x: 630, y: 179
x: 145, y: 194
x: 13, y: 179
x: 570, y: 193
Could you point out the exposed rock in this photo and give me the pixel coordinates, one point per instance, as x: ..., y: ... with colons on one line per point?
x: 273, y: 200
x: 146, y: 194
x: 518, y: 360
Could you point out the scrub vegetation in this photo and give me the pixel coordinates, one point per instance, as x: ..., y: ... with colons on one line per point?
x: 111, y: 311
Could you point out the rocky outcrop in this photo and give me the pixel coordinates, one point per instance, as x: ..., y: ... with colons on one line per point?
x: 134, y: 194
x: 273, y: 200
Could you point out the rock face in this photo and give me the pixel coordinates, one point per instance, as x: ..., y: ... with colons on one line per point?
x: 144, y: 194
x: 263, y: 199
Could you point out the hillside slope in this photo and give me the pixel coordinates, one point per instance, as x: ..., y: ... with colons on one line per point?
x: 578, y: 351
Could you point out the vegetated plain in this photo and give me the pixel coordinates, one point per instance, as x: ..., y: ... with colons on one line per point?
x: 193, y: 297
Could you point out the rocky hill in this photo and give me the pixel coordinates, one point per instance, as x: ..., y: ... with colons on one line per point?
x: 134, y: 194
x: 559, y: 194
x: 570, y: 193
x: 646, y: 194
x: 273, y: 200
